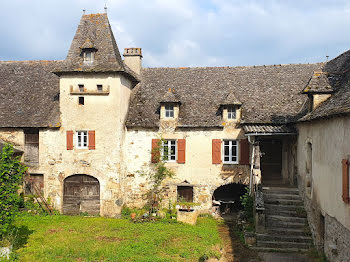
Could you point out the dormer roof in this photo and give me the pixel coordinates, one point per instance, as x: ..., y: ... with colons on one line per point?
x: 94, y: 31
x: 230, y: 99
x: 169, y: 97
x: 87, y: 44
x: 318, y: 83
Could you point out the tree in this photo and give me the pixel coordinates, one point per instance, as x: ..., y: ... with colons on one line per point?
x: 11, y: 177
x: 156, y: 177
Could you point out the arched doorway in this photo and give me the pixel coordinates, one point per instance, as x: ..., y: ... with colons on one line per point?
x: 81, y: 194
x: 227, y: 197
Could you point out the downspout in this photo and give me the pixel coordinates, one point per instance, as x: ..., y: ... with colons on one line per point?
x: 251, y: 184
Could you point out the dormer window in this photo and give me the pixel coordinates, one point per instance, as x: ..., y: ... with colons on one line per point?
x: 81, y: 88
x: 231, y: 112
x: 169, y: 111
x: 89, y: 55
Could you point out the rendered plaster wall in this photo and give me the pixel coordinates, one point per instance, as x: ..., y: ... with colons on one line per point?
x: 198, y: 169
x: 321, y: 182
x: 103, y: 113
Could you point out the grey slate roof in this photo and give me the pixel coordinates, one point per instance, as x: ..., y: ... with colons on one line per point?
x: 339, y: 102
x: 269, y: 94
x: 94, y: 31
x: 29, y: 94
x: 268, y: 129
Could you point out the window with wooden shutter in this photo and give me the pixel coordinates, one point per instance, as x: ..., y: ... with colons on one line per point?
x: 345, y: 169
x: 69, y: 140
x: 244, y: 152
x: 91, y: 136
x: 216, y: 151
x: 181, y: 151
x: 155, y: 151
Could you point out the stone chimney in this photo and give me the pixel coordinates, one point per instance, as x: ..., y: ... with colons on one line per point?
x: 133, y: 59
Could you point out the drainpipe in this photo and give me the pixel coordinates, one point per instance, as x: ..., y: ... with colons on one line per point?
x: 251, y: 141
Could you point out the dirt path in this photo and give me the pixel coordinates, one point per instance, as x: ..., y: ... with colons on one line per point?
x: 234, y: 250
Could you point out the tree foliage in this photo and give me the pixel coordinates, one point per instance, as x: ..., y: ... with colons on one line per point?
x: 11, y: 177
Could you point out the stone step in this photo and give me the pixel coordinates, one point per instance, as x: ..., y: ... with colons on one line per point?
x: 282, y: 207
x: 284, y: 238
x: 286, y: 213
x: 280, y: 250
x: 281, y: 196
x: 281, y: 190
x: 282, y: 224
x: 287, y: 231
x: 285, y: 202
x: 287, y: 219
x: 280, y: 244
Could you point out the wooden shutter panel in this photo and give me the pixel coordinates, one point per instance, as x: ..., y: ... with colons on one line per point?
x: 244, y: 152
x: 69, y: 140
x: 216, y: 151
x: 155, y: 151
x: 181, y: 151
x: 91, y: 137
x: 345, y: 168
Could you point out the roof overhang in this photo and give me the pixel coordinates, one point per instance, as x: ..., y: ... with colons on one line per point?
x: 268, y: 130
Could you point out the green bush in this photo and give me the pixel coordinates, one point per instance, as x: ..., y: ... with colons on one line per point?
x: 247, y: 203
x: 11, y: 176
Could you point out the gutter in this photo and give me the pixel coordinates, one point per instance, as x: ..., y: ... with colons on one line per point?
x: 269, y: 134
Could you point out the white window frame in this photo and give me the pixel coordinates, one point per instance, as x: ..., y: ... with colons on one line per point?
x: 173, y: 157
x: 80, y: 145
x: 230, y: 155
x: 169, y: 111
x: 89, y: 59
x: 231, y: 112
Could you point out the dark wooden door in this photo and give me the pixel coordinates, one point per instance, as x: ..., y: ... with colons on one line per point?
x: 81, y: 195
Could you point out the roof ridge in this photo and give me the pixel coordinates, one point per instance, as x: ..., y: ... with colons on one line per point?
x: 252, y: 66
x: 29, y: 61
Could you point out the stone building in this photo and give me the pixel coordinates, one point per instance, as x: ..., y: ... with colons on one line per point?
x: 87, y: 126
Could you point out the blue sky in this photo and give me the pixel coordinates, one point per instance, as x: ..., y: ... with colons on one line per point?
x: 185, y: 32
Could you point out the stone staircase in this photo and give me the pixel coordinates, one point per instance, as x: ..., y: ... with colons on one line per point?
x: 286, y: 223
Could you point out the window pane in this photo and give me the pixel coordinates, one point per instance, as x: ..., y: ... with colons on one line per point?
x: 226, y: 151
x: 226, y: 159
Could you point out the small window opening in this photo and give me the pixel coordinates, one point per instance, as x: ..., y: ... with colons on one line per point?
x: 81, y: 88
x: 169, y: 111
x: 231, y: 112
x: 88, y: 56
x: 185, y: 193
x: 34, y: 184
x: 81, y: 100
x: 31, y: 146
x: 99, y: 88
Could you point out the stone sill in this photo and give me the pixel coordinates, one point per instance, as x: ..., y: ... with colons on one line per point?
x: 104, y: 92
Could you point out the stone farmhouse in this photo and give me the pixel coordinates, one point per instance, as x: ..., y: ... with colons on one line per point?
x: 87, y: 126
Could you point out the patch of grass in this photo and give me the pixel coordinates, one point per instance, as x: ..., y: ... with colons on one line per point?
x: 64, y: 238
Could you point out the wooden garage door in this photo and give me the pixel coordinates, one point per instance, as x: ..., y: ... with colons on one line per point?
x: 81, y: 194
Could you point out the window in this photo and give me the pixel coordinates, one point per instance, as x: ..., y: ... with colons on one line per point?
x: 231, y: 112
x: 34, y: 184
x: 81, y: 88
x: 88, y: 56
x: 99, y: 88
x: 82, y: 139
x: 169, y: 111
x: 31, y: 146
x: 169, y: 151
x: 230, y: 148
x: 185, y: 193
x: 81, y: 100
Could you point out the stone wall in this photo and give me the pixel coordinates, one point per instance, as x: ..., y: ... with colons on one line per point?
x: 319, y: 172
x: 198, y: 169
